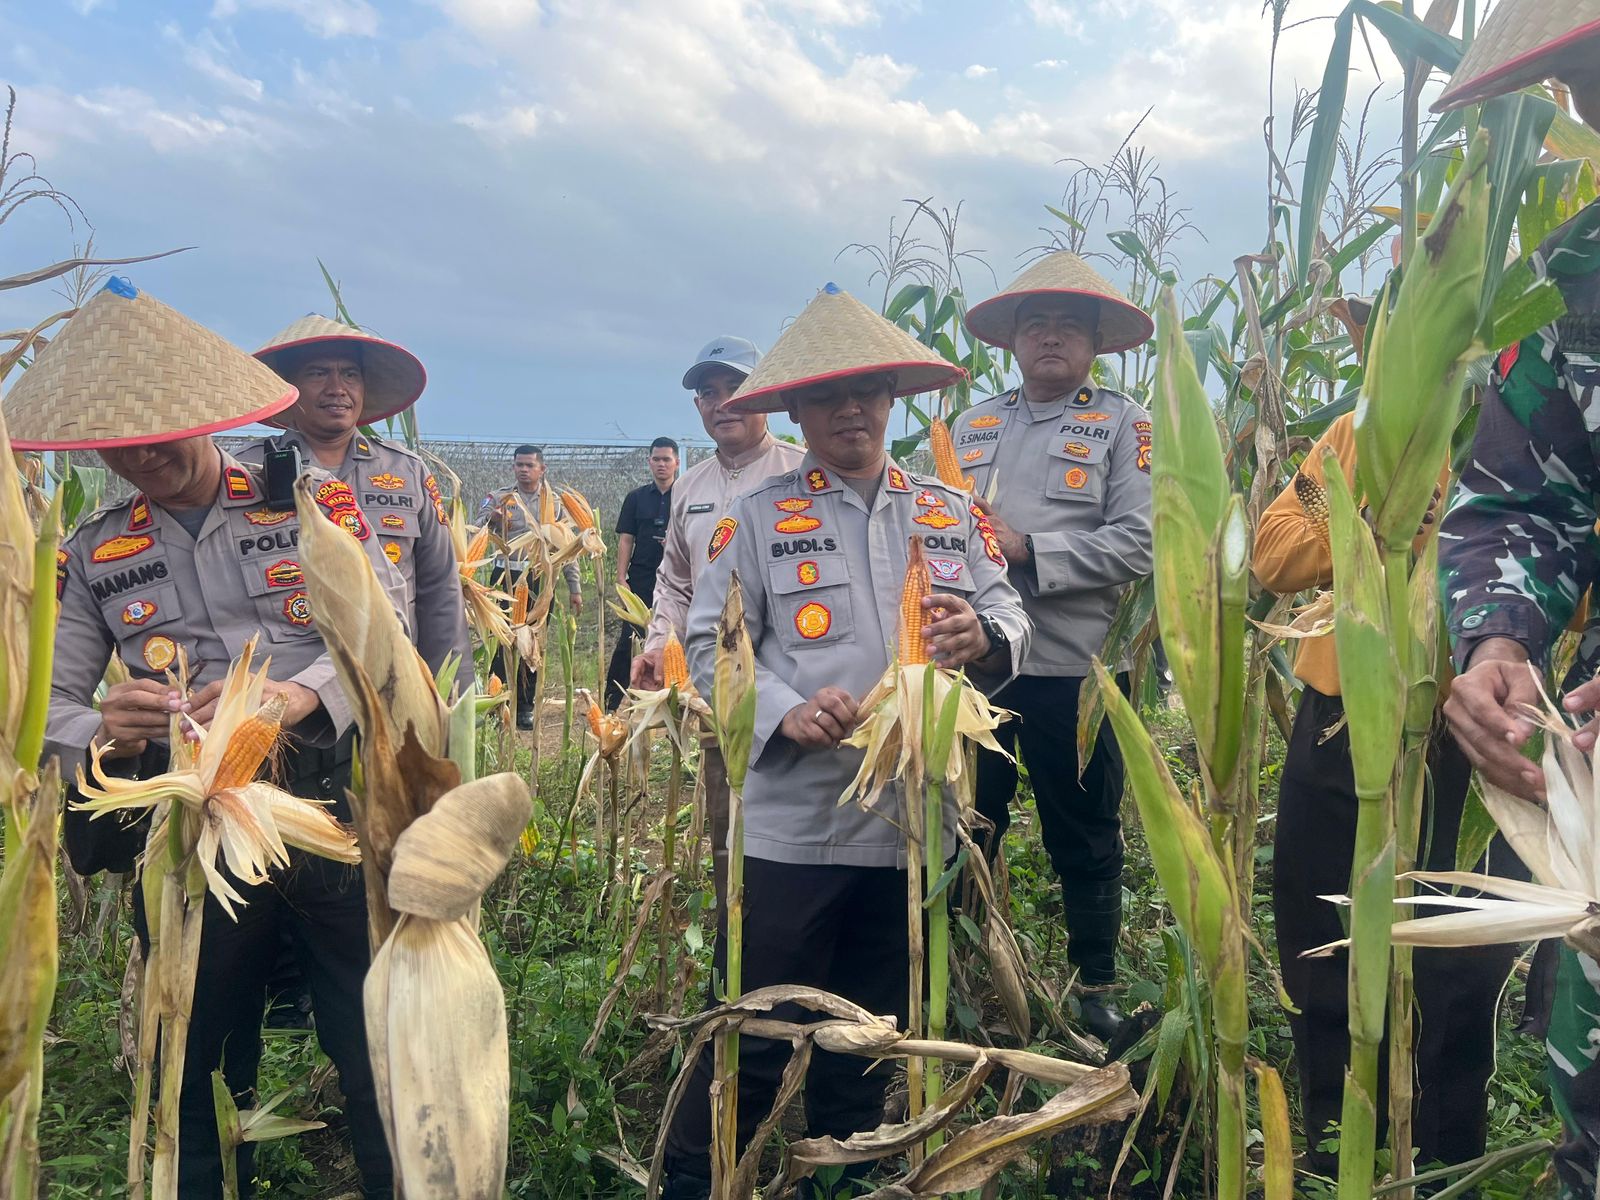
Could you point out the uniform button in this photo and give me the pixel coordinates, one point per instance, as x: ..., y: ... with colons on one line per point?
x: 1473, y: 621
x: 327, y: 783
x: 1052, y: 587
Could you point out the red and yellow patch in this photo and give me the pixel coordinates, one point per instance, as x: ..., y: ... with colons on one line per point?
x: 119, y: 547
x: 62, y: 559
x: 972, y: 455
x: 267, y: 516
x: 928, y: 500
x: 720, y: 537
x: 798, y: 523
x: 340, y: 502
x: 808, y: 572
x: 387, y: 481
x: 1094, y: 416
x: 391, y: 551
x: 817, y: 480
x: 988, y: 421
x: 391, y: 521
x: 297, y: 609
x: 159, y: 652
x: 1076, y: 450
x: 237, y: 482
x: 1076, y: 478
x: 139, y: 517
x: 1508, y: 359
x: 431, y: 486
x: 335, y: 493
x: 986, y: 534
x: 353, y: 522
x: 898, y: 481
x: 284, y: 573
x: 1142, y: 461
x: 793, y: 504
x: 139, y: 612
x: 1141, y: 427
x: 813, y: 620
x: 1084, y: 398
x: 936, y: 518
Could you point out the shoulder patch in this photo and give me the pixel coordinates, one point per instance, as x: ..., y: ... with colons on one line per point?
x: 431, y: 486
x: 991, y: 544
x: 62, y: 559
x: 720, y: 537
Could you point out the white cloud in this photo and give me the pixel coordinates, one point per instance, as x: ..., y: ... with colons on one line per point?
x: 166, y: 130
x: 325, y: 18
x: 1050, y: 64
x: 510, y: 124
x: 330, y: 101
x: 1058, y: 15
x: 205, y: 54
x: 84, y: 7
x: 492, y: 16
x: 978, y: 71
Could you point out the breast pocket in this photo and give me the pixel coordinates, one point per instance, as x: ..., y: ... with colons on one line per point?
x: 1077, y: 469
x: 976, y: 447
x: 811, y: 601
x: 135, y: 615
x: 278, y: 590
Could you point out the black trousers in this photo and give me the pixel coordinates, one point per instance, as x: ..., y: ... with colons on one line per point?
x: 842, y: 929
x: 621, y: 665
x: 322, y: 907
x: 1457, y: 989
x: 1080, y: 820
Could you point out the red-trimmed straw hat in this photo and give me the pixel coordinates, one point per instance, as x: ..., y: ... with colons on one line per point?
x: 1519, y: 46
x: 394, y: 376
x: 1122, y: 325
x: 129, y: 371
x: 837, y: 337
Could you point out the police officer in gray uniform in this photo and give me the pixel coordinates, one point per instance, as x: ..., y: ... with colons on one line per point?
x: 348, y: 378
x: 821, y: 553
x: 1071, y: 464
x: 199, y: 561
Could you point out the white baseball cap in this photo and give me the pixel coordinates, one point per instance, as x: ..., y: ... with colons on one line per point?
x: 735, y: 353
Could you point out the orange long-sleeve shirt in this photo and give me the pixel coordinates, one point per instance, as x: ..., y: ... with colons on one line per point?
x: 1290, y: 556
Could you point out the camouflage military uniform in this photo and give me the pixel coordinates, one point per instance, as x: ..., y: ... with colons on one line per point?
x: 1516, y: 552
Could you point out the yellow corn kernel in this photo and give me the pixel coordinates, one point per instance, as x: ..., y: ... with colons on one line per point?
x: 578, y: 509
x: 496, y: 686
x: 250, y: 744
x: 945, y: 465
x: 1313, y: 502
x: 674, y: 664
x: 596, y: 717
x: 519, y: 603
x: 913, y: 617
x: 476, y: 548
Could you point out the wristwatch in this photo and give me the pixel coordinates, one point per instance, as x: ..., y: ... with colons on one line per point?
x: 998, y: 641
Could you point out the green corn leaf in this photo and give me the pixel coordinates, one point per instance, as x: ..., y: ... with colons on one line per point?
x: 1522, y: 304
x: 1173, y: 1033
x: 1516, y: 125
x: 1322, y: 148
x: 1409, y: 37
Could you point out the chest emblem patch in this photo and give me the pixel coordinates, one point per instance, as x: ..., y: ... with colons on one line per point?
x: 1094, y: 416
x: 121, y: 547
x: 987, y: 421
x: 297, y: 609
x: 391, y: 521
x: 793, y: 504
x: 139, y: 612
x: 813, y: 620
x: 387, y: 481
x: 391, y: 551
x: 159, y: 652
x: 944, y: 570
x: 1076, y: 478
x: 1076, y: 450
x: 936, y: 519
x: 798, y: 523
x: 972, y: 455
x: 928, y: 500
x: 808, y: 572
x: 284, y: 573
x: 720, y: 537
x: 265, y: 516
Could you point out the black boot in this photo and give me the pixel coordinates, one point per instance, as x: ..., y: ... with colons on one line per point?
x: 524, y: 718
x: 685, y: 1180
x: 1094, y: 925
x: 1098, y: 1011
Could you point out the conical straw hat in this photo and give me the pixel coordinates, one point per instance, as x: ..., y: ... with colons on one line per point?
x: 1122, y: 325
x: 393, y: 376
x: 129, y: 371
x: 1517, y: 47
x: 836, y: 337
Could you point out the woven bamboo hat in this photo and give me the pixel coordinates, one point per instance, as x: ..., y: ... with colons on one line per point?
x: 1518, y: 46
x: 393, y: 376
x: 837, y: 337
x: 1122, y: 326
x: 129, y: 371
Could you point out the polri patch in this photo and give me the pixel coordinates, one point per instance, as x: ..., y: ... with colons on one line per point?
x: 266, y: 516
x: 139, y: 612
x: 391, y: 521
x: 720, y: 537
x: 297, y: 609
x: 987, y: 421
x: 431, y: 486
x: 62, y: 559
x: 972, y: 455
x: 159, y: 652
x: 1094, y: 416
x: 388, y: 481
x: 813, y: 620
x: 936, y: 519
x: 391, y: 551
x: 808, y: 572
x: 1076, y: 450
x: 119, y: 547
x: 284, y: 573
x: 945, y: 570
x: 1076, y: 478
x: 797, y: 523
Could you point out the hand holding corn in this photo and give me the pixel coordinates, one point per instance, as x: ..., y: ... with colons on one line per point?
x: 953, y: 634
x: 1488, y: 713
x: 822, y: 722
x: 645, y: 675
x: 1012, y: 543
x: 134, y: 712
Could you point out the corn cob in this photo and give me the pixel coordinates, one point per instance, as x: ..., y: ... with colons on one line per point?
x: 674, y: 664
x: 547, y: 506
x: 476, y: 549
x: 495, y: 686
x: 519, y: 603
x: 945, y: 464
x: 913, y: 618
x: 577, y: 509
x: 595, y: 717
x: 250, y: 744
x: 1313, y: 502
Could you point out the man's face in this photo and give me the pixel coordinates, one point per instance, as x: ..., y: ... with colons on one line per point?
x: 663, y: 465
x: 167, y: 473
x: 332, y: 391
x: 733, y: 432
x: 1054, y: 342
x: 530, y: 471
x: 844, y: 420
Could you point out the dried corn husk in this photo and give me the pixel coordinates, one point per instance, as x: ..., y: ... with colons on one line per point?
x: 447, y: 858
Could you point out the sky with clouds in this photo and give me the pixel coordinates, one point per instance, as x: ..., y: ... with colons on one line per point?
x: 554, y: 203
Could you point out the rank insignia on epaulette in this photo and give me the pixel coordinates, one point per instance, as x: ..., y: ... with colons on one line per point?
x: 720, y: 537
x: 391, y: 551
x: 813, y: 620
x: 936, y: 519
x: 138, y: 612
x: 237, y: 480
x: 159, y: 652
x: 987, y: 421
x: 1084, y: 398
x: 816, y: 480
x: 897, y: 480
x: 793, y: 504
x: 297, y: 609
x: 62, y: 559
x: 362, y: 447
x: 284, y: 573
x: 391, y: 521
x: 267, y: 516
x: 139, y: 517
x: 120, y: 547
x: 797, y: 523
x: 387, y: 481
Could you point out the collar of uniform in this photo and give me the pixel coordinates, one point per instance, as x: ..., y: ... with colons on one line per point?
x: 748, y: 457
x: 240, y: 485
x: 1073, y: 399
